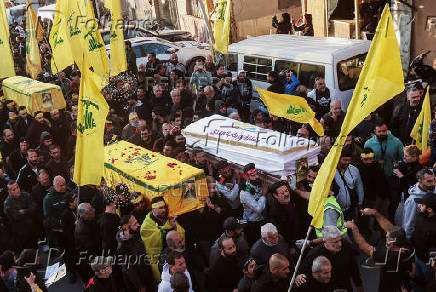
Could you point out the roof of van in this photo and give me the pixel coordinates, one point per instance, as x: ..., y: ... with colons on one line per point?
x: 302, y: 48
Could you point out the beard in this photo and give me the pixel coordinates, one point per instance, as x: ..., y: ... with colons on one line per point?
x: 256, y: 182
x: 382, y: 137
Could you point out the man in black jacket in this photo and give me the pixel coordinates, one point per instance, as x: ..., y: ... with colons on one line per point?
x: 87, y: 239
x: 136, y: 276
x: 276, y: 86
x: 27, y: 177
x: 424, y: 237
x: 131, y: 58
x: 275, y: 276
x: 35, y: 129
x: 404, y: 117
x: 319, y: 280
x: 20, y: 210
x: 342, y: 257
x: 225, y: 274
x: 102, y: 281
x: 38, y: 193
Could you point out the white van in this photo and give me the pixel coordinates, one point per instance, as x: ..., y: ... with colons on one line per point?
x: 338, y: 60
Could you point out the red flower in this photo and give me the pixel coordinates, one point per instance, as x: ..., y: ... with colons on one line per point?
x: 172, y: 164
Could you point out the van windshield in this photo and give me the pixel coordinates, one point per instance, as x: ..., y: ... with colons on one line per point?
x: 349, y: 71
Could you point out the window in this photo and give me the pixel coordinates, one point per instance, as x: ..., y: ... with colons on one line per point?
x: 306, y: 73
x: 349, y: 71
x: 158, y: 49
x: 257, y: 68
x: 139, y: 51
x: 231, y: 62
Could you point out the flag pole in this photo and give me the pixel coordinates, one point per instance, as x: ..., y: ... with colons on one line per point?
x: 309, y: 230
x: 209, y: 28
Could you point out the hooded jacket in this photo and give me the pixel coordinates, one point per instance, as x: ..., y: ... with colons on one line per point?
x: 411, y: 209
x: 165, y: 285
x: 393, y: 149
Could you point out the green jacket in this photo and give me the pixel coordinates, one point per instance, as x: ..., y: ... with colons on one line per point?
x: 54, y: 205
x: 392, y: 148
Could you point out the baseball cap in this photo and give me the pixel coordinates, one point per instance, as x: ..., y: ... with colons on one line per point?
x: 241, y: 71
x: 100, y: 262
x: 231, y: 224
x: 429, y: 200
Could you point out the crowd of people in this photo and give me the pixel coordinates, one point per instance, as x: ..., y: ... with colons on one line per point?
x: 249, y: 233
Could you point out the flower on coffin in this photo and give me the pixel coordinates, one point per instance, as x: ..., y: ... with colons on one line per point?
x: 171, y: 164
x: 149, y: 177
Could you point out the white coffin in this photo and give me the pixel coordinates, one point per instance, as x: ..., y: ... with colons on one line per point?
x: 273, y: 152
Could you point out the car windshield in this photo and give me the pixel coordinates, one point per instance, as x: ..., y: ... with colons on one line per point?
x: 168, y: 43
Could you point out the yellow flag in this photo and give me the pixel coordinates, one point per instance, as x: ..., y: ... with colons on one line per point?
x: 380, y: 80
x: 95, y: 50
x: 59, y: 40
x: 74, y: 13
x: 118, y: 51
x: 91, y: 118
x: 7, y: 62
x: 291, y: 107
x: 33, y: 59
x: 421, y: 129
x: 221, y: 32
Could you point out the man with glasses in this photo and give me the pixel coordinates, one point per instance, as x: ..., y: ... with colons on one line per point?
x: 426, y: 183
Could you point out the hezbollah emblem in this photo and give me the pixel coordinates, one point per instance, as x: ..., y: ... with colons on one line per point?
x: 88, y: 121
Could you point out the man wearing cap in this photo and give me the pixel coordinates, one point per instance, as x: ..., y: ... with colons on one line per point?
x: 253, y: 201
x: 130, y: 129
x: 35, y: 129
x: 233, y: 229
x: 102, y: 281
x: 154, y: 230
x: 424, y: 236
x: 26, y: 177
x: 228, y: 187
x: 18, y: 158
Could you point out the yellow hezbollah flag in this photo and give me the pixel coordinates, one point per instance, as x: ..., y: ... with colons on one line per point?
x: 33, y: 59
x: 380, y: 80
x: 118, y: 51
x: 59, y: 40
x: 7, y: 66
x: 291, y: 107
x: 74, y: 14
x: 421, y: 129
x: 91, y: 118
x: 95, y: 50
x: 221, y: 32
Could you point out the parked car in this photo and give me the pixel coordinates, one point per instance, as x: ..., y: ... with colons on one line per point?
x: 132, y: 31
x: 163, y: 50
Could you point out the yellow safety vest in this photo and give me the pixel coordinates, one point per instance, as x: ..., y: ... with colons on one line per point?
x: 331, y: 203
